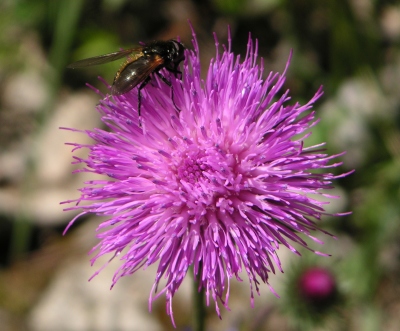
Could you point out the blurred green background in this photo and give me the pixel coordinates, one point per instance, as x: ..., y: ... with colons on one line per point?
x: 352, y: 47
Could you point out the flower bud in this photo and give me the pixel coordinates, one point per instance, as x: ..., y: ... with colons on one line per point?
x: 317, y: 285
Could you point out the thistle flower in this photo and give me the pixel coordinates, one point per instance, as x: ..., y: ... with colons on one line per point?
x: 317, y: 286
x: 313, y: 299
x: 219, y: 185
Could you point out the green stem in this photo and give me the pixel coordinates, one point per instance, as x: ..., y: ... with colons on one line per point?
x: 199, y: 311
x: 20, y: 238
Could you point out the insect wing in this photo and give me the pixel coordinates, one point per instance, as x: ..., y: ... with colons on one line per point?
x: 135, y: 73
x: 101, y: 59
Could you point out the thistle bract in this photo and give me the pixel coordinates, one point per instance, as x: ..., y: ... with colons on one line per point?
x: 218, y: 185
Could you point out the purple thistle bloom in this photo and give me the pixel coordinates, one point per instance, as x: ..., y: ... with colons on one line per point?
x: 218, y: 186
x: 317, y: 286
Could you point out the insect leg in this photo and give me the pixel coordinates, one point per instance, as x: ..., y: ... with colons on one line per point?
x: 139, y: 97
x: 174, y: 70
x: 166, y: 81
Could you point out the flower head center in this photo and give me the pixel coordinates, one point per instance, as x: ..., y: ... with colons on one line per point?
x: 207, y: 179
x: 191, y: 168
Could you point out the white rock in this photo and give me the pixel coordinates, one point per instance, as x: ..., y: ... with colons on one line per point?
x: 25, y: 91
x: 71, y: 303
x: 52, y: 157
x: 37, y: 191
